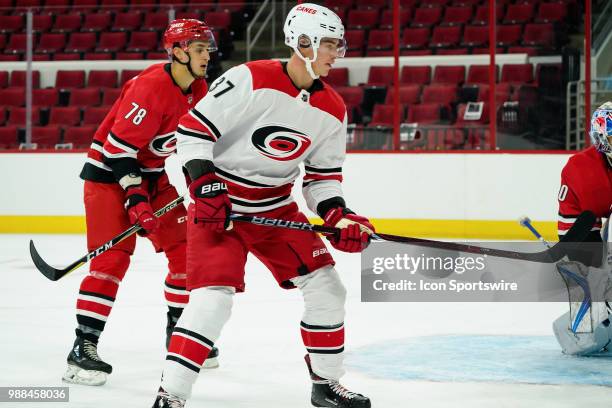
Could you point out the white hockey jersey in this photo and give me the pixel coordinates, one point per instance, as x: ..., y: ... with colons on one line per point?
x: 257, y: 127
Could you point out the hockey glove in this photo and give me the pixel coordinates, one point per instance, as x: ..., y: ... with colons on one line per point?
x: 354, y: 233
x: 211, y: 202
x: 139, y: 209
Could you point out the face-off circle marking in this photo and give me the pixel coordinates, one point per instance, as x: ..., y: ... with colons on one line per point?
x: 280, y: 143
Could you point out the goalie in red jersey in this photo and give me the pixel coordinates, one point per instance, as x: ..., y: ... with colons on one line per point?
x: 125, y: 181
x: 586, y: 184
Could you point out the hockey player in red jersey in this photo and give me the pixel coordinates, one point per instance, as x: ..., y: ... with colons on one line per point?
x: 242, y: 146
x: 125, y: 181
x: 586, y: 184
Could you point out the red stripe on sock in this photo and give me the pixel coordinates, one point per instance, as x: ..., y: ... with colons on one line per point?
x: 323, y: 338
x: 188, y: 348
x: 173, y: 297
x: 101, y: 286
x: 93, y: 307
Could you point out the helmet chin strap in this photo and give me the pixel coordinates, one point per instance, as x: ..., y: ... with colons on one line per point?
x: 308, y: 62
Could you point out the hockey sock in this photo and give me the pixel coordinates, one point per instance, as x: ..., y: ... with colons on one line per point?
x: 94, y: 304
x: 195, y: 333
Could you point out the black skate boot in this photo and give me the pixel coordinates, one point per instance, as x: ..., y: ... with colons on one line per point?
x: 212, y: 360
x: 329, y: 393
x: 165, y: 400
x: 84, y: 365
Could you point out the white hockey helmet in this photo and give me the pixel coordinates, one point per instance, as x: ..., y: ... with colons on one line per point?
x: 306, y: 25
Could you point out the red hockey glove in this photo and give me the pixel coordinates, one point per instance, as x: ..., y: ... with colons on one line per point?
x: 212, y: 204
x: 139, y: 209
x: 355, y: 230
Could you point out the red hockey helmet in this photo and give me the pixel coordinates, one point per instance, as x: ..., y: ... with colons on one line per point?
x: 184, y: 30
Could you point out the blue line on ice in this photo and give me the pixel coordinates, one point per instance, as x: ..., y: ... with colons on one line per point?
x: 470, y: 358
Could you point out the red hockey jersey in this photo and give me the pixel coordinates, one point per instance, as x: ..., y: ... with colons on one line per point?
x: 141, y: 124
x: 586, y: 184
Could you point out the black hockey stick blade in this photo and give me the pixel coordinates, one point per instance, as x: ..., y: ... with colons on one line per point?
x: 581, y: 228
x: 54, y: 274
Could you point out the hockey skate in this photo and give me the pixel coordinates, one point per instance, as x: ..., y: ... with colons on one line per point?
x: 212, y: 361
x: 329, y: 393
x: 165, y: 400
x: 84, y: 365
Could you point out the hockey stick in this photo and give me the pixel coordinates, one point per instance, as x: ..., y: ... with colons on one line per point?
x: 586, y: 303
x: 55, y: 274
x: 580, y: 229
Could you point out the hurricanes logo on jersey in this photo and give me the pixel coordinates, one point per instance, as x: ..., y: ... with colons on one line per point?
x: 280, y: 143
x: 163, y: 145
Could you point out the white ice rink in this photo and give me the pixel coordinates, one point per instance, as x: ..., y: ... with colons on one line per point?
x: 261, y: 348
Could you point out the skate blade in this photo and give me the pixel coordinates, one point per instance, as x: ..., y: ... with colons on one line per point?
x: 212, y: 362
x: 76, y: 375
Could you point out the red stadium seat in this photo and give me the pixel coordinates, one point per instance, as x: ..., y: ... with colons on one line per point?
x: 517, y: 74
x: 199, y: 6
x: 42, y: 23
x: 362, y: 19
x: 475, y: 36
x: 386, y: 21
x: 155, y: 21
x: 110, y: 96
x: 416, y: 52
x: 11, y: 24
x: 2, y: 41
x: 445, y: 37
x: 219, y: 20
x: 157, y: 55
x: 539, y: 35
x: 551, y: 13
x: 236, y: 6
x: 62, y: 56
x: 3, y: 116
x: 382, y: 115
x: 17, y: 116
x: 128, y: 21
x: 112, y: 42
x: 8, y: 137
x: 503, y: 93
x: 479, y: 74
x: 352, y: 95
x: 457, y: 15
x: 95, y: 116
x: 141, y: 41
x: 4, y: 77
x: 57, y: 7
x: 420, y: 75
x: 81, y: 42
x: 128, y: 74
x: 46, y: 136
x: 380, y: 43
x: 424, y: 113
x: 65, y: 116
x: 434, y: 3
x: 51, y: 42
x: 85, y: 6
x: 439, y: 93
x: 70, y: 79
x: 519, y: 13
x: 415, y: 38
x: 18, y: 78
x: 13, y: 96
x: 96, y: 22
x: 408, y: 94
x: 371, y: 4
x: 482, y: 14
x: 11, y: 57
x: 426, y: 17
x: 509, y: 35
x: 449, y: 74
x: 185, y: 14
x: 339, y: 3
x: 41, y: 57
x: 67, y: 23
x: 102, y: 79
x: 380, y: 76
x: 85, y: 97
x: 355, y: 40
x: 80, y: 136
x: 144, y: 6
x: 90, y: 56
x: 338, y: 77
x: 115, y: 6
x: 129, y: 56
x: 17, y: 44
x: 45, y: 97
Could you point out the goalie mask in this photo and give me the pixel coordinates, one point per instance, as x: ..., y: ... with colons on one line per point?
x: 307, y: 25
x: 601, y: 130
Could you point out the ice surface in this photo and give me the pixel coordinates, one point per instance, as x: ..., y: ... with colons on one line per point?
x: 261, y: 350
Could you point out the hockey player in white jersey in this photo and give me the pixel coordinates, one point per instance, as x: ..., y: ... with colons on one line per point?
x: 242, y: 145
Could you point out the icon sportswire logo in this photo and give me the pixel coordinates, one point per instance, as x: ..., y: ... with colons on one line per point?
x: 280, y: 143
